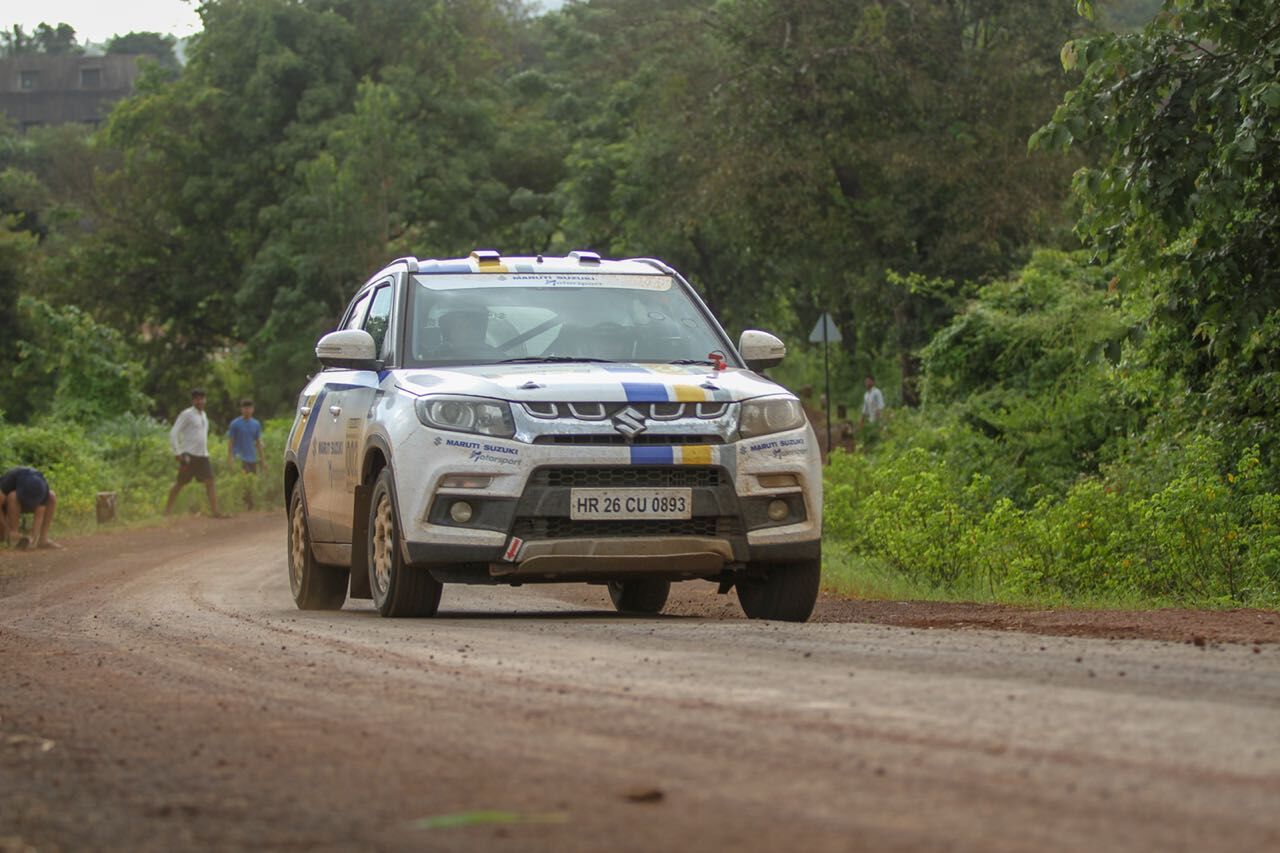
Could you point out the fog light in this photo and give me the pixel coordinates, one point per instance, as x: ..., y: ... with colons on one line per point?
x: 465, y: 481
x: 460, y: 512
x: 778, y: 510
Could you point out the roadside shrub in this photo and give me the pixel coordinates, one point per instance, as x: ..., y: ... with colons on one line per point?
x: 130, y: 455
x: 1055, y: 462
x: 1035, y: 372
x: 63, y: 454
x: 1210, y: 535
x: 72, y: 367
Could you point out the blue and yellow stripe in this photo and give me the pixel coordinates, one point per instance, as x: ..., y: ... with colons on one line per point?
x: 681, y: 454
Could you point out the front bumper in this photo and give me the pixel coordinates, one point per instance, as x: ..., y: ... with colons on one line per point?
x: 567, y: 560
x: 520, y: 527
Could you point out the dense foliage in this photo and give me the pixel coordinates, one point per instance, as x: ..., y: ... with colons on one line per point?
x: 1185, y: 202
x: 790, y: 156
x: 1208, y: 535
x: 1041, y: 469
x: 1107, y: 431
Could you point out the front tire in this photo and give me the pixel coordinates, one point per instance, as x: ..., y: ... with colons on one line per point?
x: 647, y: 595
x: 785, y: 591
x: 315, y: 586
x: 398, y: 589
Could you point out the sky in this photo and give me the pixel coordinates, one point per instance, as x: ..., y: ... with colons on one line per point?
x: 99, y: 20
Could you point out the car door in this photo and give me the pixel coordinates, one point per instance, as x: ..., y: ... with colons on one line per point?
x: 350, y: 399
x: 316, y: 449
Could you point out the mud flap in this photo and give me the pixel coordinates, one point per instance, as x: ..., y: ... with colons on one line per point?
x: 360, y: 544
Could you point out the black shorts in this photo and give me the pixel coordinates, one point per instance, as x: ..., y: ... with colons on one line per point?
x: 249, y: 467
x: 195, y: 468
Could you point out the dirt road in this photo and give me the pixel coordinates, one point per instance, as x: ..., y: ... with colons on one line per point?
x: 158, y: 691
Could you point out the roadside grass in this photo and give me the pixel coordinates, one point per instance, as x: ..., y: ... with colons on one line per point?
x: 847, y: 574
x: 851, y: 575
x: 908, y: 518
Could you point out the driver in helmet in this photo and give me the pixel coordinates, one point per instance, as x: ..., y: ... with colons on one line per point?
x: 462, y: 333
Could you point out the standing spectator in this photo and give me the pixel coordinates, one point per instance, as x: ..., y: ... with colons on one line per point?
x: 26, y: 490
x: 244, y: 443
x: 872, y: 404
x: 189, y: 439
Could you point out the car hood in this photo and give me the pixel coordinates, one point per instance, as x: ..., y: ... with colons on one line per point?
x: 576, y: 382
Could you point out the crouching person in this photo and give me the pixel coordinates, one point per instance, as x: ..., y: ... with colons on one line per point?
x: 26, y: 490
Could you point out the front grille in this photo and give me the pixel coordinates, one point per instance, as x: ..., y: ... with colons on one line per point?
x: 619, y: 439
x: 629, y: 476
x: 707, y: 410
x: 565, y: 528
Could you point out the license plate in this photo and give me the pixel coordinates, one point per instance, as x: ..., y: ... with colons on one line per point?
x: 605, y: 504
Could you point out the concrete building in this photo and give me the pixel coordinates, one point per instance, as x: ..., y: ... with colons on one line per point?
x: 38, y: 89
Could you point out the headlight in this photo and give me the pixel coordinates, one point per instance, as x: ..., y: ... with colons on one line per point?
x: 467, y: 414
x: 770, y: 415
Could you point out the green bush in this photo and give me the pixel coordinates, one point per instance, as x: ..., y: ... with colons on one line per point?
x: 1208, y: 536
x: 1051, y: 464
x: 73, y: 368
x: 65, y: 456
x: 130, y: 455
x: 1034, y: 377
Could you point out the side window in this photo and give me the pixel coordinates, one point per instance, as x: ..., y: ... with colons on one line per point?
x: 356, y: 320
x: 379, y: 319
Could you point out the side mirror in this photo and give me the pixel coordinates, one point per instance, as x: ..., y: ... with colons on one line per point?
x: 352, y: 349
x: 761, y: 349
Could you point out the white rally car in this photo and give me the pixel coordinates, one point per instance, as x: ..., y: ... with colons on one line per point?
x: 522, y: 420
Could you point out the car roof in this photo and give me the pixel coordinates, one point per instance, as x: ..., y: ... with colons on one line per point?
x: 489, y: 261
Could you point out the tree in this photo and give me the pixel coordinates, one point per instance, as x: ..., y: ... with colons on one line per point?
x: 159, y: 46
x: 57, y: 39
x: 303, y: 145
x: 1127, y: 15
x: 15, y: 41
x: 73, y: 367
x: 804, y: 150
x: 1186, y: 199
x: 15, y: 248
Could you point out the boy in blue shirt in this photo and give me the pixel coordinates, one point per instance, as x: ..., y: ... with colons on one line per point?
x: 244, y: 442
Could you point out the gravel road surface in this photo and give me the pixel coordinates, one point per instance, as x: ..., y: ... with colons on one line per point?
x: 158, y: 690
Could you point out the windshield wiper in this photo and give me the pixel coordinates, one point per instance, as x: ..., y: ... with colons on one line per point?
x: 540, y: 359
x: 691, y: 361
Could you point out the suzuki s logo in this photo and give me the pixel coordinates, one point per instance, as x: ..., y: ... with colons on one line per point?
x: 629, y: 422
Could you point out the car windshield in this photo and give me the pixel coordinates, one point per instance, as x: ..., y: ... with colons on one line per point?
x: 488, y: 318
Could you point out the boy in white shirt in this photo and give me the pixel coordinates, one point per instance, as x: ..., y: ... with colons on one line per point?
x: 189, y: 439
